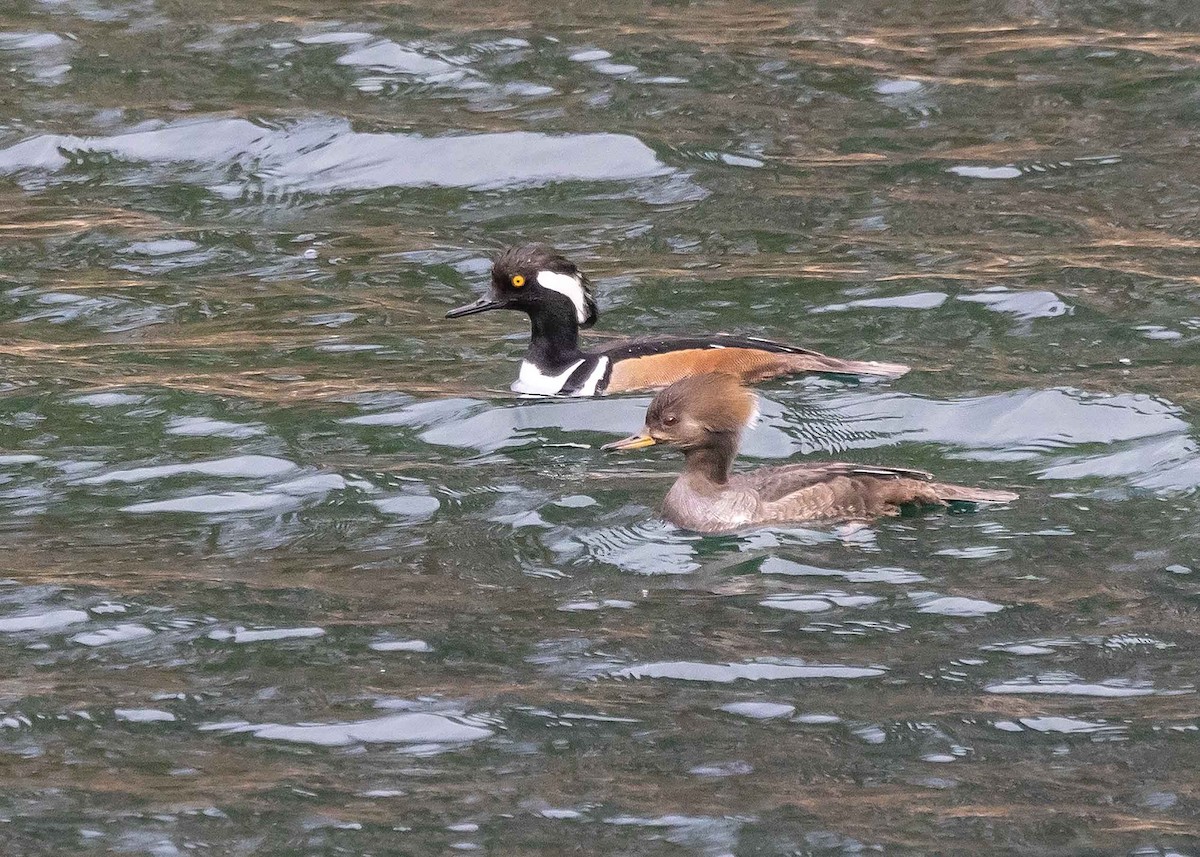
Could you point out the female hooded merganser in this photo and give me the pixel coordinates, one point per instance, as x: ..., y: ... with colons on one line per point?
x: 557, y: 297
x: 704, y: 416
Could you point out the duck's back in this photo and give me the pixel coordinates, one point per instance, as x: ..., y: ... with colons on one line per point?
x: 839, y: 491
x: 642, y: 364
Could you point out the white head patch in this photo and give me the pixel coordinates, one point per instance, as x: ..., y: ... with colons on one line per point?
x: 567, y: 286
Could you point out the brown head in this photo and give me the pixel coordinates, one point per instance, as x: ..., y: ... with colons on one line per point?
x: 694, y: 413
x: 538, y: 281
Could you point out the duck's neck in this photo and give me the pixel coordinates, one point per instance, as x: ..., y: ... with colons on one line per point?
x: 554, y: 337
x: 713, y: 461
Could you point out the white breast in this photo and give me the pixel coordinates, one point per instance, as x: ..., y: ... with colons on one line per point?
x: 534, y: 381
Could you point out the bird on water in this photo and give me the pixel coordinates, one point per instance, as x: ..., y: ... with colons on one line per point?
x: 705, y: 415
x: 557, y: 297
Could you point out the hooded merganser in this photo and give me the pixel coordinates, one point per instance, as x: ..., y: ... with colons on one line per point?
x: 557, y: 297
x: 704, y: 416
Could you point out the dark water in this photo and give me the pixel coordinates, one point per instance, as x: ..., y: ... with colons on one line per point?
x: 287, y: 570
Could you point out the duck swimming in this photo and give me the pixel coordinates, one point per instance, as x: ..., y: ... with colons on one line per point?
x: 704, y: 416
x: 557, y: 297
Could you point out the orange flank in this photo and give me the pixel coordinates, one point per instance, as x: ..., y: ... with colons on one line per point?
x: 749, y: 365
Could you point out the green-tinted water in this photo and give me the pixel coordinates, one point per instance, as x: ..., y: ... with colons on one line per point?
x: 284, y: 573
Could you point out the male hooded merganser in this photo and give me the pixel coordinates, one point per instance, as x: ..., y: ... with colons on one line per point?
x: 704, y: 416
x: 557, y: 297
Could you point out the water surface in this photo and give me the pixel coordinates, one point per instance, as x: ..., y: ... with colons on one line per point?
x: 288, y: 570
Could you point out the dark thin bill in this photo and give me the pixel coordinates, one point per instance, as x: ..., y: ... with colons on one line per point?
x: 481, y: 305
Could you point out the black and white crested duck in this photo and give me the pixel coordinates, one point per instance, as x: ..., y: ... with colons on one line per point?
x: 704, y: 415
x: 557, y: 297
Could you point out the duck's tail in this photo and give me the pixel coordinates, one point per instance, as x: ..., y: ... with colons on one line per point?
x: 964, y: 494
x: 813, y: 362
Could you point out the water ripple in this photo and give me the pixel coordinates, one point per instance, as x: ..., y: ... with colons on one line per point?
x: 236, y: 467
x: 752, y: 671
x: 1056, y: 684
x: 324, y: 156
x: 405, y: 728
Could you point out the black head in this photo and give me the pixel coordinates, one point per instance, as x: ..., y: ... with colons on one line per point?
x: 533, y: 279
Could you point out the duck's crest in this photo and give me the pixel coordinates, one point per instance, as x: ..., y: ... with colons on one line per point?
x: 716, y: 400
x: 551, y: 270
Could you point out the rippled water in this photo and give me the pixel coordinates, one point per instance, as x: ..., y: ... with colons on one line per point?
x: 288, y: 570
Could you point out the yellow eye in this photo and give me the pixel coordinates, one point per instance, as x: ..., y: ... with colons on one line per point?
x: 518, y: 281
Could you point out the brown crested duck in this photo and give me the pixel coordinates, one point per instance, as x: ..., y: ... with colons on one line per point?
x: 704, y: 416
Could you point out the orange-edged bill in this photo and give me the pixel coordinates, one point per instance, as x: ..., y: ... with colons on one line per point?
x: 634, y: 441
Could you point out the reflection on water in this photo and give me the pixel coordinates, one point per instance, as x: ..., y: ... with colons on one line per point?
x: 323, y: 156
x: 287, y: 568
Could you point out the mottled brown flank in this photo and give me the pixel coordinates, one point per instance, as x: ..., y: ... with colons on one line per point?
x: 810, y: 492
x: 855, y: 495
x: 749, y: 365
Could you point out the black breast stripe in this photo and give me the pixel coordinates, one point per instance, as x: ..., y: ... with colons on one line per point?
x: 577, y: 378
